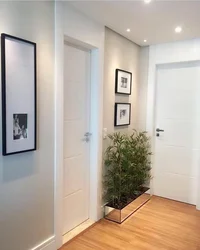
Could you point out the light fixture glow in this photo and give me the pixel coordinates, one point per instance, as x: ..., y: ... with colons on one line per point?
x: 147, y: 1
x: 128, y: 30
x: 145, y: 40
x: 178, y: 29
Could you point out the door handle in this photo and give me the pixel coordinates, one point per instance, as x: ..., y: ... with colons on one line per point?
x: 160, y: 130
x: 87, y: 136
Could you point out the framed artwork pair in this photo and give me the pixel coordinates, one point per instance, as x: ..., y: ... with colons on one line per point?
x: 123, y: 85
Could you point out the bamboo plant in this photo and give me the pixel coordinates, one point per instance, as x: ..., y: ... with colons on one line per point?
x: 127, y: 167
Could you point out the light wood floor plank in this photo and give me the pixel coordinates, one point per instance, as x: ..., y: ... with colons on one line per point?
x: 161, y: 224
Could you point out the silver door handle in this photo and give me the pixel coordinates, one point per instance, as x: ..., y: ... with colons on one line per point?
x: 87, y: 136
x: 160, y: 130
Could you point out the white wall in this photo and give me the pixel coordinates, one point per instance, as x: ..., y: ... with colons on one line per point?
x: 80, y: 27
x: 143, y: 87
x: 26, y: 180
x: 184, y: 51
x: 75, y: 27
x: 168, y: 53
x: 123, y: 54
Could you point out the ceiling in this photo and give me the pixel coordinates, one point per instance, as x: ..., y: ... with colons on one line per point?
x: 154, y: 22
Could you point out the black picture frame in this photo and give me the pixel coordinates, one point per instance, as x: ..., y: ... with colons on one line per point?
x: 117, y: 83
x: 7, y: 39
x: 116, y: 117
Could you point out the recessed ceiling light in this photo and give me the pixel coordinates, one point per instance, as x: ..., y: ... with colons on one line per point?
x: 147, y: 1
x: 178, y: 29
x: 128, y: 30
x: 145, y: 40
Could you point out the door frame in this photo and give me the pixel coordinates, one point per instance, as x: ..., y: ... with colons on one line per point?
x: 155, y: 61
x: 95, y: 144
x: 96, y: 127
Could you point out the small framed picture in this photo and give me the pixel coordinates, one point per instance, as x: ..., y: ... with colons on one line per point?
x: 18, y: 62
x: 123, y: 82
x: 122, y: 114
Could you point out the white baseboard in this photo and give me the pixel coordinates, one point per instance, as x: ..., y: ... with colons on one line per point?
x: 48, y: 244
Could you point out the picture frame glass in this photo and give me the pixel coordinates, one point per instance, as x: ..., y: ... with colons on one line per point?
x: 18, y: 95
x: 123, y: 82
x: 122, y: 114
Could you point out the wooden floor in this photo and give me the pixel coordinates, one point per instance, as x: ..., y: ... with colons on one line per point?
x: 161, y: 224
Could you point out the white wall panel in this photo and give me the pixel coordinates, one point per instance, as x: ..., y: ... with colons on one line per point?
x: 27, y: 180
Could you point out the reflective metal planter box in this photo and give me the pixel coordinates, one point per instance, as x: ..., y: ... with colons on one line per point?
x: 120, y: 215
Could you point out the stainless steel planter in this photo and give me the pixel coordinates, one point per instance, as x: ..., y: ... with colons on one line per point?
x: 120, y: 215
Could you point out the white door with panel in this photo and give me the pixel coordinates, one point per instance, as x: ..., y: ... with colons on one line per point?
x: 177, y: 136
x: 76, y: 136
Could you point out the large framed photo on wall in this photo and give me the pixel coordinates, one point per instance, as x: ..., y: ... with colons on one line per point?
x: 123, y: 82
x: 122, y: 114
x: 18, y: 62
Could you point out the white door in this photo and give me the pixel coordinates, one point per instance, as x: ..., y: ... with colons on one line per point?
x: 177, y: 147
x: 76, y: 145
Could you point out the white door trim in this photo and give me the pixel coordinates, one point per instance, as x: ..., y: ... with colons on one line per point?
x: 96, y: 113
x: 166, y: 55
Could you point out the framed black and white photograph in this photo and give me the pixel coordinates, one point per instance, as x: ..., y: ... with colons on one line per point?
x: 18, y: 62
x: 123, y: 82
x: 122, y: 114
x: 20, y: 126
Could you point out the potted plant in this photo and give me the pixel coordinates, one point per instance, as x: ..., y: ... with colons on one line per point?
x: 127, y: 170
